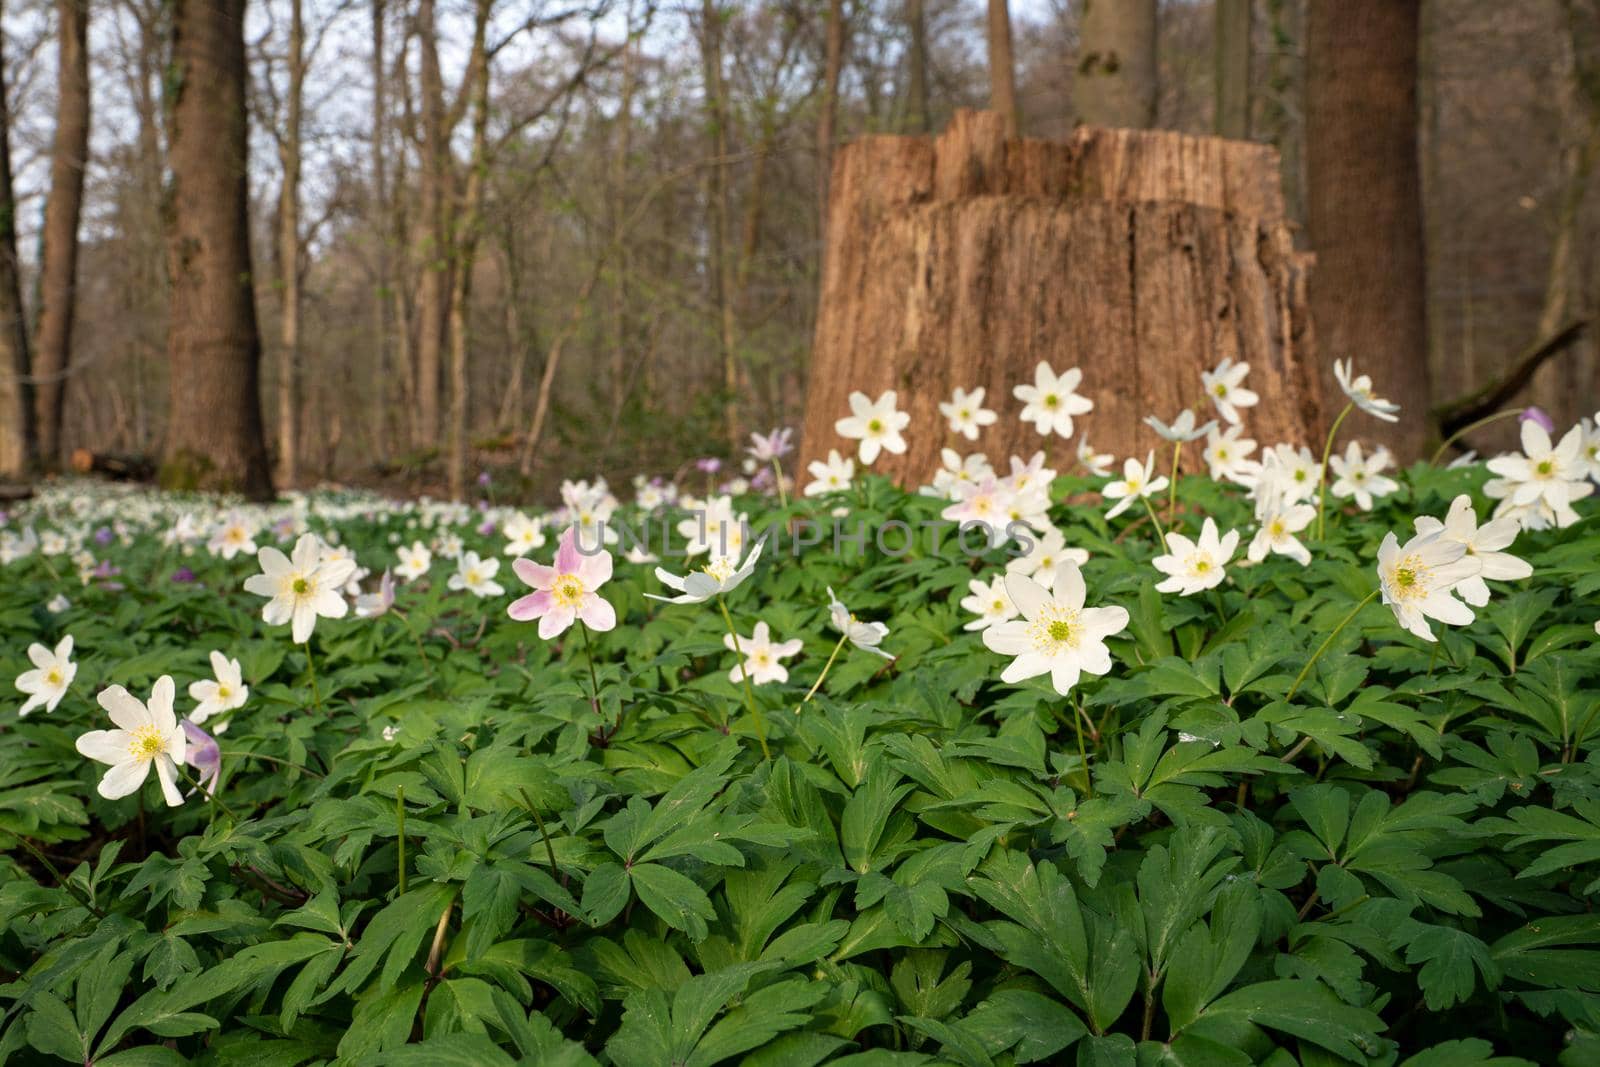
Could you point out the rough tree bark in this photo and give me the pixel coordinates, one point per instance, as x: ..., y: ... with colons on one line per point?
x: 434, y: 188
x: 827, y: 115
x: 1231, y: 51
x: 380, y: 197
x: 214, y: 432
x: 1002, y: 67
x: 1364, y: 202
x: 59, y: 261
x: 1141, y: 258
x: 19, y: 445
x: 289, y: 255
x: 1116, y: 76
x: 720, y: 266
x: 468, y: 225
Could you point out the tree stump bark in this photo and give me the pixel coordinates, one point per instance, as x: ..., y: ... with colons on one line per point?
x: 1141, y: 257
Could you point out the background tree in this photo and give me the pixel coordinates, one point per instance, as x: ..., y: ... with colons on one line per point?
x: 1364, y: 215
x: 214, y: 432
x: 18, y: 440
x: 1002, y: 67
x: 1116, y: 69
x: 58, y: 284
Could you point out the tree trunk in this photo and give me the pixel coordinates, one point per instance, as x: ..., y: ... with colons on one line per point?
x: 1283, y: 102
x: 1231, y: 52
x: 19, y: 444
x: 1364, y: 203
x: 289, y: 257
x: 1564, y: 387
x: 828, y: 114
x: 1142, y: 258
x: 1116, y: 77
x: 380, y: 197
x: 718, y: 212
x: 917, y: 116
x: 467, y: 225
x: 433, y: 313
x: 214, y: 431
x: 1002, y: 67
x: 59, y: 260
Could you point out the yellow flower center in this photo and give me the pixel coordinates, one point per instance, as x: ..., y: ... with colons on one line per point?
x: 1220, y: 390
x: 1052, y: 401
x: 1545, y: 468
x: 1202, y: 565
x: 474, y: 576
x: 300, y: 586
x: 53, y: 676
x: 146, y: 743
x: 568, y: 591
x: 1410, y: 578
x: 1055, y: 628
x: 224, y: 692
x: 876, y: 426
x: 1276, y: 529
x: 966, y: 413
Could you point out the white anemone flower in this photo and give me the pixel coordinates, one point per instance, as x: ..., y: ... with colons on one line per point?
x: 1046, y: 555
x: 1052, y: 400
x: 1095, y: 464
x: 1195, y: 566
x: 966, y: 414
x: 1362, y: 476
x: 414, y: 561
x: 145, y: 735
x: 1056, y: 635
x: 476, y: 575
x: 1483, y: 544
x: 300, y: 587
x: 1138, y: 481
x: 866, y: 636
x: 722, y: 575
x: 1227, y: 456
x: 1545, y: 478
x: 1417, y: 579
x: 832, y: 475
x: 522, y: 534
x: 1279, y: 521
x: 876, y: 424
x: 1183, y: 428
x: 1225, y: 387
x: 1359, y: 390
x: 225, y: 692
x: 762, y: 656
x: 51, y: 677
x: 990, y: 602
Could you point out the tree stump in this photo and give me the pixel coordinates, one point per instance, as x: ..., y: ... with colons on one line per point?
x: 1142, y: 257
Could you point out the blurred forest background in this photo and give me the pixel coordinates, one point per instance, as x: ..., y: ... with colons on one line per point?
x: 556, y: 237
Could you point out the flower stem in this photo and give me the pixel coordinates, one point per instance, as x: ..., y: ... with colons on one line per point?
x: 400, y: 837
x: 412, y: 630
x: 1453, y: 438
x: 818, y: 683
x: 594, y: 679
x: 209, y: 794
x: 744, y: 676
x: 1172, y: 489
x: 1322, y: 485
x: 239, y: 754
x: 44, y: 861
x: 1326, y: 642
x: 777, y: 474
x: 311, y: 668
x: 1161, y: 536
x: 1083, y: 754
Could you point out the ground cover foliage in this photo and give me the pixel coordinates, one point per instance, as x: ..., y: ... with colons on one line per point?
x: 435, y: 849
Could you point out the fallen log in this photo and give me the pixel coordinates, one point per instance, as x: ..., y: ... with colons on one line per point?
x: 118, y: 467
